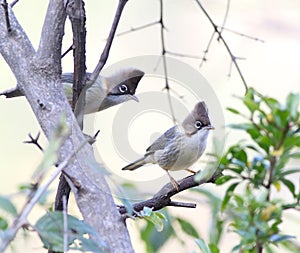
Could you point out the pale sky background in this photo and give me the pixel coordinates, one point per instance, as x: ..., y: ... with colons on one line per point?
x: 271, y: 67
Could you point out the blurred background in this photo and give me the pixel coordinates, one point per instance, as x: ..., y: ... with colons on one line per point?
x: 269, y: 62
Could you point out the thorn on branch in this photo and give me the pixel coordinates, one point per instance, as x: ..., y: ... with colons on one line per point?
x: 34, y: 141
x: 92, y: 139
x: 134, y: 29
x: 183, y: 55
x: 241, y: 34
x: 67, y: 51
x: 5, y: 7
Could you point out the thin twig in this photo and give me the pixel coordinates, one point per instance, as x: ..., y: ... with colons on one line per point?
x: 5, y: 7
x: 181, y: 204
x: 13, y: 3
x: 183, y: 55
x: 204, y: 59
x: 220, y: 37
x: 35, y: 141
x: 67, y: 51
x: 167, y: 87
x: 106, y: 50
x: 225, y: 16
x: 241, y: 34
x: 65, y: 217
x: 138, y: 28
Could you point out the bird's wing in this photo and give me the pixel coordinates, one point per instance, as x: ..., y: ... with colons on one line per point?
x: 69, y: 77
x: 67, y: 81
x: 161, y: 142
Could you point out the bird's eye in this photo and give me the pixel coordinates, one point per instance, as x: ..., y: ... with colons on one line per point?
x: 198, y: 124
x: 123, y: 88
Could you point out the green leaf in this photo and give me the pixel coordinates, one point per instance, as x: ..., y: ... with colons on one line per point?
x: 155, y: 217
x: 292, y: 104
x: 254, y: 133
x: 216, y: 227
x: 281, y: 117
x: 213, y: 248
x: 289, y: 185
x: 3, y: 223
x: 278, y: 238
x: 241, y: 155
x: 233, y: 110
x: 290, y: 171
x: 188, y: 228
x: 223, y: 179
x: 50, y: 229
x: 227, y: 196
x: 272, y: 103
x: 155, y: 240
x: 8, y: 206
x: 146, y: 211
x: 264, y: 142
x: 243, y: 126
x: 202, y: 245
x: 291, y: 141
x: 292, y: 245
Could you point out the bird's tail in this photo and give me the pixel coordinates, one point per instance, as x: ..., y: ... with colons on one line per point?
x: 135, y: 165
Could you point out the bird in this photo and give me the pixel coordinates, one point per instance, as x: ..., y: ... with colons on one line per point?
x: 105, y: 92
x: 180, y: 146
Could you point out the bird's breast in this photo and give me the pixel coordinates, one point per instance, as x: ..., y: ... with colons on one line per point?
x: 182, y: 152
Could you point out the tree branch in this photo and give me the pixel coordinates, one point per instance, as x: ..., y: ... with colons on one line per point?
x: 220, y: 37
x: 106, y: 50
x: 134, y: 29
x: 76, y: 13
x: 163, y: 197
x: 49, y: 51
x: 162, y: 37
x: 5, y: 7
x: 13, y: 3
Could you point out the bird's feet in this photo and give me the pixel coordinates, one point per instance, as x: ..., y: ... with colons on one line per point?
x: 191, y: 171
x: 173, y: 181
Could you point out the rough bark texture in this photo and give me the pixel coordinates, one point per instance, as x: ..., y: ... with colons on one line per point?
x: 38, y: 77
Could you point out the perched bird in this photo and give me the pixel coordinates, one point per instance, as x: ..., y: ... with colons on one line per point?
x: 104, y: 92
x: 180, y: 146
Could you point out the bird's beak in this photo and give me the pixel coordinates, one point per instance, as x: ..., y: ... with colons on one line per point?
x: 210, y: 127
x: 135, y: 98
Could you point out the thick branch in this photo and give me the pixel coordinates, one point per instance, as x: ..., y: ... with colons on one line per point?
x: 51, y: 38
x: 163, y: 197
x: 76, y: 13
